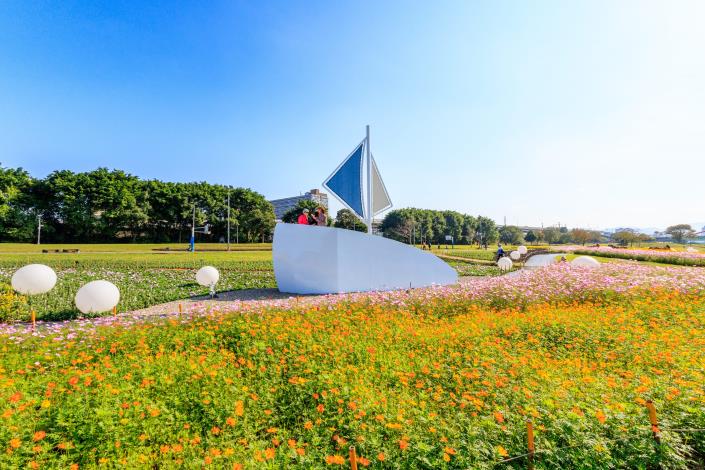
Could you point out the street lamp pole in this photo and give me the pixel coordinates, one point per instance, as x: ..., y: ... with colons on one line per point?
x: 228, y: 218
x: 39, y: 230
x: 193, y: 230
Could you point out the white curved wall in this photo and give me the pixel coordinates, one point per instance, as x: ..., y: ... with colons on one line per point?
x: 323, y: 260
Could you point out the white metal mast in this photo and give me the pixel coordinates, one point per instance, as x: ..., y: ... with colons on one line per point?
x: 369, y: 214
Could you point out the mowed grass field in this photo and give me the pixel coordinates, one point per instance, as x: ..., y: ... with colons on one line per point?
x: 144, y: 277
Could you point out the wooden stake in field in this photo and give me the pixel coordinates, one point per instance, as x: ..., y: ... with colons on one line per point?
x: 34, y: 320
x: 530, y: 442
x: 353, y: 458
x: 654, y: 422
x: 115, y: 311
x: 181, y: 309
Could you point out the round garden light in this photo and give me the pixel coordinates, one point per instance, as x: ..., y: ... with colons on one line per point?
x: 586, y: 261
x: 515, y: 255
x: 97, y: 296
x: 522, y: 250
x: 208, y: 276
x: 34, y: 279
x: 505, y: 264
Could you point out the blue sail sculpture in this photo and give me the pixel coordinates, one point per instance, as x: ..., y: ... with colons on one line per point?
x: 346, y: 181
x: 322, y: 260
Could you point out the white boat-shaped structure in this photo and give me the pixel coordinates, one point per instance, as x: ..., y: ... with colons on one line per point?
x: 326, y: 260
x: 323, y: 260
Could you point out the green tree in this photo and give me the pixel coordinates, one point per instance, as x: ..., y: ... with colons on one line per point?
x: 551, y: 235
x: 17, y: 214
x: 511, y: 235
x: 625, y: 236
x: 579, y: 235
x: 346, y: 219
x: 680, y: 232
x: 530, y: 236
x: 486, y: 232
x: 111, y: 205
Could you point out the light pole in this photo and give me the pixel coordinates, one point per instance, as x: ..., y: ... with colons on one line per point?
x: 228, y: 218
x: 39, y: 230
x: 205, y: 229
x: 192, y: 242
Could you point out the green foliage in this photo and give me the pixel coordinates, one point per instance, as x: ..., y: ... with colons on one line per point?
x: 411, y: 225
x: 144, y: 279
x: 473, y: 269
x: 680, y: 232
x: 625, y: 236
x: 104, y: 205
x: 583, y: 236
x: 12, y: 306
x: 531, y: 237
x: 511, y: 234
x: 17, y: 220
x: 551, y: 235
x: 346, y: 219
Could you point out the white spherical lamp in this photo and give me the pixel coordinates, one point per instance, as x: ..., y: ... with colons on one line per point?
x: 515, y: 255
x: 522, y: 250
x: 207, y: 276
x: 505, y: 264
x: 97, y: 297
x: 586, y: 261
x: 34, y: 279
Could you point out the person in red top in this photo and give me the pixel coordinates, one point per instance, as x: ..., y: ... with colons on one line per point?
x: 303, y: 217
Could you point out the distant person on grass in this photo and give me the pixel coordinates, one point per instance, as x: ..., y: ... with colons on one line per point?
x: 303, y: 218
x: 500, y: 251
x: 319, y: 217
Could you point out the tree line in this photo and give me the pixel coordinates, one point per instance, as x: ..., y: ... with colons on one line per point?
x: 113, y: 206
x: 413, y: 225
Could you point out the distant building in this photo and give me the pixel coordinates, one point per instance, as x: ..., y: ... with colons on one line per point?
x: 282, y: 206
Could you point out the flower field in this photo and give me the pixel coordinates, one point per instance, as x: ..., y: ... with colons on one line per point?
x: 683, y: 258
x: 147, y: 279
x: 435, y: 378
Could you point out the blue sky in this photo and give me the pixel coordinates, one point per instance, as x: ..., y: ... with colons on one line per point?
x: 586, y: 113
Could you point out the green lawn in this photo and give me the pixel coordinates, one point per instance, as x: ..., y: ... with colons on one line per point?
x: 144, y: 278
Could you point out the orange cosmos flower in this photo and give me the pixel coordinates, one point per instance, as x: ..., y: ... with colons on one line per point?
x: 38, y: 436
x: 335, y: 460
x: 601, y: 416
